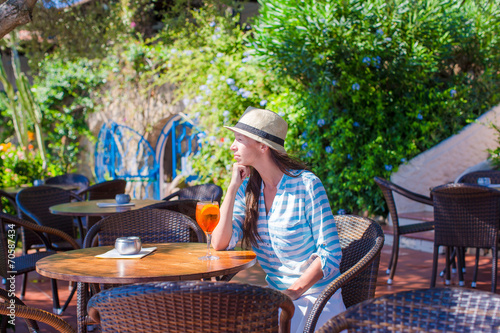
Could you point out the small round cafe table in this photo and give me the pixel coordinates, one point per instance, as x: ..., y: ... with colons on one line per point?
x: 170, y: 262
x: 90, y: 208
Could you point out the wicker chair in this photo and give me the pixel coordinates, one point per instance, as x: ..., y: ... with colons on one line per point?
x: 151, y: 225
x: 361, y: 240
x: 424, y: 310
x: 34, y: 203
x: 466, y: 215
x: 186, y: 207
x: 191, y: 306
x: 71, y: 179
x: 472, y: 177
x: 100, y: 191
x: 388, y: 188
x: 202, y: 192
x: 30, y: 315
x: 26, y: 263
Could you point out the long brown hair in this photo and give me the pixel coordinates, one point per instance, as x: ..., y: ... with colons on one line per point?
x: 286, y: 164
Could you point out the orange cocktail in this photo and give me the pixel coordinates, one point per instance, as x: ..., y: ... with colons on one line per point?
x: 207, y: 216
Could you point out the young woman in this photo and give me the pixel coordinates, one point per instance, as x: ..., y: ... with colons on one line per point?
x: 281, y: 210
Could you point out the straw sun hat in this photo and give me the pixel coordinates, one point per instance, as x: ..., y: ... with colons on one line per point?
x: 263, y: 126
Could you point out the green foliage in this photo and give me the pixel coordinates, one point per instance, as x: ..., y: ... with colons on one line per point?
x: 65, y: 91
x: 89, y: 30
x: 495, y: 153
x: 380, y: 81
x: 20, y: 166
x: 216, y: 78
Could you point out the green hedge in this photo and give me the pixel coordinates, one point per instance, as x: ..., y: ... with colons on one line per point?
x: 379, y: 82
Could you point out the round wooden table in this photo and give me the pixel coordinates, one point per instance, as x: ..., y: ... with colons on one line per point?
x: 170, y: 262
x: 90, y: 208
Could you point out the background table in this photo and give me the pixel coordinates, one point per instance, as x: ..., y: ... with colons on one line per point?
x: 90, y: 208
x: 14, y: 190
x: 170, y: 262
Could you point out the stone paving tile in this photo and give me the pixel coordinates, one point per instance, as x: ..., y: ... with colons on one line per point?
x: 413, y: 272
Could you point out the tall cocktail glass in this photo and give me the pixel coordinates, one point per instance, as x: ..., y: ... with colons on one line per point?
x: 207, y: 216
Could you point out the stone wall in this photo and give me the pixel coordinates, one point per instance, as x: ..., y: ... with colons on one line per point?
x: 447, y: 160
x: 144, y: 111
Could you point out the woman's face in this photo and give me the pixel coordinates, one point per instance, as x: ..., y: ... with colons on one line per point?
x: 245, y: 150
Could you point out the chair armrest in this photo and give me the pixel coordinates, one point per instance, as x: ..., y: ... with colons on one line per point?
x: 42, y: 229
x: 413, y: 196
x: 285, y: 320
x: 76, y: 196
x: 171, y: 195
x: 43, y: 316
x: 32, y: 325
x: 340, y: 281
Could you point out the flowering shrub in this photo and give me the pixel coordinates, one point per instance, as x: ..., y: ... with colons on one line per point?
x: 22, y: 165
x: 216, y: 78
x: 379, y: 82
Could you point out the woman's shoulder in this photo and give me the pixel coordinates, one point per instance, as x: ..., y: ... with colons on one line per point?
x: 305, y: 175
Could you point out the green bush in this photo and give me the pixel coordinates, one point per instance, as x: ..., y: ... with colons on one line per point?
x: 65, y: 91
x: 216, y: 78
x: 20, y: 166
x: 379, y: 82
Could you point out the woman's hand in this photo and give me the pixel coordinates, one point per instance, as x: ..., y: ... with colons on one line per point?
x: 240, y: 172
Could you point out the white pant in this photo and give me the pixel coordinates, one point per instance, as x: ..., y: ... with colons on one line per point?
x: 304, y: 305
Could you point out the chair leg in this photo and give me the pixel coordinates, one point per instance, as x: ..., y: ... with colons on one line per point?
x: 460, y: 262
x: 23, y: 286
x: 447, y: 280
x: 464, y: 251
x: 453, y: 264
x: 394, y: 259
x: 476, y: 268
x: 388, y: 271
x: 494, y: 270
x: 55, y: 297
x: 434, y: 265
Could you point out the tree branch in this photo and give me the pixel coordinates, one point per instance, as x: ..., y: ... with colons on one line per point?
x: 14, y: 13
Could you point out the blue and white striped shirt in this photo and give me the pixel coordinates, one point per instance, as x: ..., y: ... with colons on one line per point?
x: 299, y: 228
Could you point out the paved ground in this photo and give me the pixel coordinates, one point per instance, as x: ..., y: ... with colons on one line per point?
x: 413, y: 272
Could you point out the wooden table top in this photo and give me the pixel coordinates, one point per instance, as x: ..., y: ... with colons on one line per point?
x: 170, y: 262
x: 90, y: 208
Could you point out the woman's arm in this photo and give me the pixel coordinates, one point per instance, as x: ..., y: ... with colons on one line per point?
x: 312, y: 275
x: 326, y: 259
x: 223, y: 232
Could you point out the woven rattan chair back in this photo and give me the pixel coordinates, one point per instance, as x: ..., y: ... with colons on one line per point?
x: 472, y: 177
x: 388, y: 188
x: 191, y: 306
x: 186, y: 207
x: 466, y: 215
x: 30, y: 315
x: 70, y: 179
x: 104, y: 190
x: 204, y: 192
x: 151, y: 225
x: 34, y: 203
x: 426, y: 310
x: 361, y: 240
